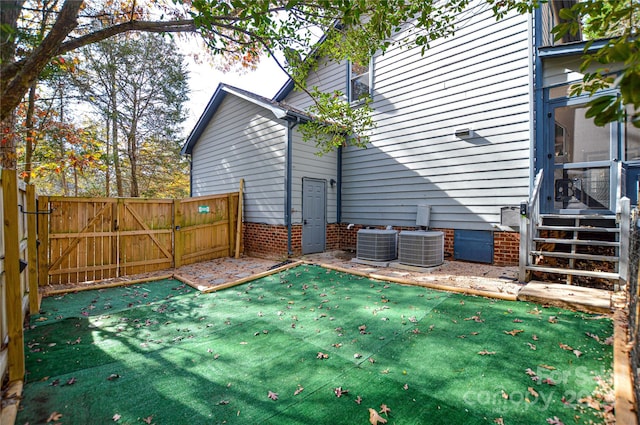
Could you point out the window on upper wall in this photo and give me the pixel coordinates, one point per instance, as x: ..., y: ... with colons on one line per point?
x: 360, y: 81
x: 631, y: 138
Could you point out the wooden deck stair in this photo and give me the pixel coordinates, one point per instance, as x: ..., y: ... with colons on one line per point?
x: 567, y: 246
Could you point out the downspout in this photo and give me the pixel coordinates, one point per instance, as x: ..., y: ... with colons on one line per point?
x: 538, y: 119
x: 339, y: 188
x: 189, y: 158
x: 288, y: 181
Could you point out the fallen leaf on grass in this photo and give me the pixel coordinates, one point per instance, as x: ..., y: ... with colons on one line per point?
x: 591, y: 402
x: 554, y: 421
x: 358, y: 400
x: 532, y: 346
x: 273, y: 396
x: 384, y: 409
x: 322, y: 355
x: 594, y: 336
x: 113, y: 377
x: 505, y: 395
x: 565, y: 347
x: 475, y: 319
x: 116, y: 417
x: 299, y: 390
x: 546, y: 366
x: 54, y: 417
x: 148, y: 419
x: 71, y: 381
x: 486, y: 353
x: 375, y: 418
x: 532, y: 392
x: 514, y: 332
x: 499, y: 421
x: 548, y: 381
x: 339, y: 392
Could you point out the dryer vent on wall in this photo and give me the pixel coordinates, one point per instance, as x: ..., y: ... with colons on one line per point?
x: 376, y: 245
x: 422, y: 249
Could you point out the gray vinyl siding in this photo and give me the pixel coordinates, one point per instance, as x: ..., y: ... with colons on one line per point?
x: 328, y: 77
x: 243, y: 140
x: 308, y: 165
x: 478, y: 79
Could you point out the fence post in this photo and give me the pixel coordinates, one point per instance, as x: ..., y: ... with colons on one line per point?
x: 43, y: 235
x: 12, y: 276
x: 231, y: 240
x: 32, y: 250
x: 239, y: 223
x: 623, y: 252
x: 178, y: 241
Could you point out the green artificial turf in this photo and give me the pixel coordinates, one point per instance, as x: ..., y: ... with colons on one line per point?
x: 164, y: 353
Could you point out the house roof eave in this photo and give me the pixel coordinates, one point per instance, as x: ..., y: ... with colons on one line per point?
x: 280, y: 111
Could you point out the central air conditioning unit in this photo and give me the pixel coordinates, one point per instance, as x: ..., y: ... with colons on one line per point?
x: 421, y: 248
x: 376, y: 245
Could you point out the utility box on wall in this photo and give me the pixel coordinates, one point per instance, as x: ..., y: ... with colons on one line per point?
x: 473, y: 245
x: 510, y: 216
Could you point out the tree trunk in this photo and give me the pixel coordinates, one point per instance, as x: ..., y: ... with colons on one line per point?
x: 114, y: 135
x: 30, y: 134
x: 8, y: 143
x: 16, y: 84
x: 9, y: 13
x: 107, y: 175
x: 133, y: 160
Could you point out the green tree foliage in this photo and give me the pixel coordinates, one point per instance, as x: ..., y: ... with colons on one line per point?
x: 139, y: 83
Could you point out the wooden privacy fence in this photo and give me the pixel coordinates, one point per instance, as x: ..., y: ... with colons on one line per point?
x: 18, y: 280
x: 89, y: 239
x: 56, y: 240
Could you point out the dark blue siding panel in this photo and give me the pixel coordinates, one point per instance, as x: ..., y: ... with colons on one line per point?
x: 473, y: 245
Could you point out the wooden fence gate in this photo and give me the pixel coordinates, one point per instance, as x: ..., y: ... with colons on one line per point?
x: 89, y: 239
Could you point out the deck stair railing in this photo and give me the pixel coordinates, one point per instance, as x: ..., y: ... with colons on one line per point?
x: 574, y: 248
x: 529, y: 221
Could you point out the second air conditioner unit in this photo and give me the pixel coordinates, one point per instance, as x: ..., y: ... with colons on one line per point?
x: 421, y: 248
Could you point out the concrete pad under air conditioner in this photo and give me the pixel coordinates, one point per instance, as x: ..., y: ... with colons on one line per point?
x: 420, y: 269
x: 370, y: 262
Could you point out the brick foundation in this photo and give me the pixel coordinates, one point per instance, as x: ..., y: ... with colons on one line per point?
x: 270, y: 241
x: 506, y: 248
x: 267, y: 241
